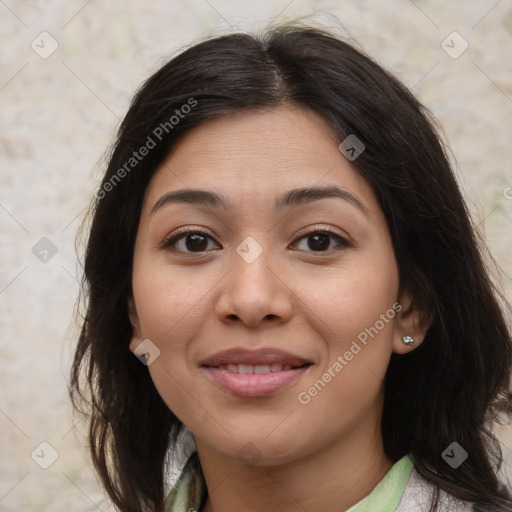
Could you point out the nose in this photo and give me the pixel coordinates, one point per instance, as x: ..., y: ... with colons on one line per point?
x: 254, y: 294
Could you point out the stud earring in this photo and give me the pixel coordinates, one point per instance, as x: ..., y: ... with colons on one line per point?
x: 408, y: 340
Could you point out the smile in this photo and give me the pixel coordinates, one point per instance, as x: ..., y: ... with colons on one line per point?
x: 243, y: 373
x: 260, y: 369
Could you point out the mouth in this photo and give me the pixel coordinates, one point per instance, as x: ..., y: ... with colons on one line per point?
x: 259, y: 369
x: 244, y: 373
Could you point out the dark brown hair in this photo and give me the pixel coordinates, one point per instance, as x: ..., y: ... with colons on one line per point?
x: 444, y: 391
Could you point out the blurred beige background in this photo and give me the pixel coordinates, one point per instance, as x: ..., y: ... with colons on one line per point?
x: 67, y: 72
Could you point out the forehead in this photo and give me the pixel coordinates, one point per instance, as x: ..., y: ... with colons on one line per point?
x: 258, y: 154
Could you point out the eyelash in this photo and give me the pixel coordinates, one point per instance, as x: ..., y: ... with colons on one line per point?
x: 182, y: 233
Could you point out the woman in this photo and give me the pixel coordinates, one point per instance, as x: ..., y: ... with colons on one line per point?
x: 281, y: 242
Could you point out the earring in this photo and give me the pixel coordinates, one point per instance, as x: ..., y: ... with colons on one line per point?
x: 408, y: 340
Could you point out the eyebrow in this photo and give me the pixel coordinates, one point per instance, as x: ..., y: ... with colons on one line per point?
x: 290, y: 199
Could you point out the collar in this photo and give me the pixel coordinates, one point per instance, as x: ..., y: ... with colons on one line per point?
x: 389, y: 491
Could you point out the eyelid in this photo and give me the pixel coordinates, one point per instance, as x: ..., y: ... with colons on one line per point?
x: 318, y: 228
x: 164, y: 244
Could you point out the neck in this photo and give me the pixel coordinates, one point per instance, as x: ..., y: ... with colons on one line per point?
x: 331, y: 480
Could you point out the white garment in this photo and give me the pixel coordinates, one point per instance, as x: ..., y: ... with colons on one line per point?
x: 417, y: 497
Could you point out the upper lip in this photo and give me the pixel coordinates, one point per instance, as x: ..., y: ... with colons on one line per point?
x: 263, y: 356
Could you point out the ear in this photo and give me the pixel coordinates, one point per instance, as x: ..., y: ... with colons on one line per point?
x: 134, y: 320
x: 410, y: 321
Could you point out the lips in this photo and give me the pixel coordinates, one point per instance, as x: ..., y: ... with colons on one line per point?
x: 261, y: 357
x: 246, y: 373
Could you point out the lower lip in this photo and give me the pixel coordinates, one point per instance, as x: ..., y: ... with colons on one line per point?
x: 254, y: 384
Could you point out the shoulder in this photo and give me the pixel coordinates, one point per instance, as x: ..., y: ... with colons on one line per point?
x: 417, y: 497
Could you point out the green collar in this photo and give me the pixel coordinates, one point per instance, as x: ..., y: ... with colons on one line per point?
x: 189, y: 491
x: 389, y: 491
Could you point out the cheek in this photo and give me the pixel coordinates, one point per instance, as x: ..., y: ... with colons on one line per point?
x: 354, y: 312
x: 171, y: 306
x: 169, y: 299
x: 357, y: 330
x: 350, y: 300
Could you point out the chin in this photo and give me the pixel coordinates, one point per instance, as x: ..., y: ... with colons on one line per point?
x: 261, y: 450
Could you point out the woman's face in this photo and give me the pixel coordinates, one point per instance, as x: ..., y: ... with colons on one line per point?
x: 276, y: 315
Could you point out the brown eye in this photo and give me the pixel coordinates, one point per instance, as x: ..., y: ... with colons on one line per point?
x: 188, y: 241
x: 322, y: 241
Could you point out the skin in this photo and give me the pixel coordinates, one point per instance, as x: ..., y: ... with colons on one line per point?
x: 326, y: 454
